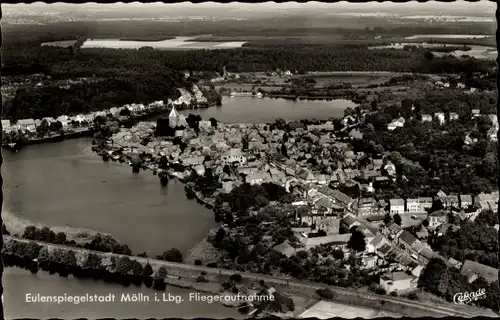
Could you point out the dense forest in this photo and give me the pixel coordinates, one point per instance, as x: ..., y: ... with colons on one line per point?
x: 73, y: 62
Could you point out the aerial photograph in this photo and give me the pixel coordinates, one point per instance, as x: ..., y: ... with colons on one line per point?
x: 293, y: 160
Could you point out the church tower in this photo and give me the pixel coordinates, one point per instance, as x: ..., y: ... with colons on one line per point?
x: 173, y: 118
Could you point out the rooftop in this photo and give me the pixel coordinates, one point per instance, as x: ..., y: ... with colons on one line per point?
x: 397, y: 276
x: 488, y: 273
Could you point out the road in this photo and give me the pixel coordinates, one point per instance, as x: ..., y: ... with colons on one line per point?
x: 444, y: 310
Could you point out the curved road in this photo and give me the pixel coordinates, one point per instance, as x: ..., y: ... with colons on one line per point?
x: 444, y: 310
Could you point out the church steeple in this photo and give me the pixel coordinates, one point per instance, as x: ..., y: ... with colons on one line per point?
x: 173, y: 117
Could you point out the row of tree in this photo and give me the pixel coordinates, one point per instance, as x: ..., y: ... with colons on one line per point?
x: 81, y: 264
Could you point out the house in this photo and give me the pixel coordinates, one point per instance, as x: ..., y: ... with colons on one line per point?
x: 366, y: 207
x: 396, y: 206
x: 234, y: 156
x: 349, y: 221
x: 329, y: 224
x: 393, y: 231
x: 114, y: 111
x: 63, y: 120
x: 417, y: 271
x: 27, y: 124
x: 441, y: 193
x: 475, y: 113
x: 443, y: 228
x: 328, y: 126
x: 391, y: 169
x: 454, y: 263
x: 490, y: 274
x: 369, y: 261
x: 193, y: 161
x: 465, y: 201
x: 425, y: 203
x: 377, y: 164
x: 487, y: 201
x: 305, y: 174
x: 336, y: 196
x: 422, y: 233
x: 377, y: 242
x: 440, y: 117
x: 285, y: 248
x: 406, y: 241
x: 382, y: 182
x: 425, y: 255
x: 453, y: 116
x: 399, y: 282
x: 296, y: 126
x: 6, y: 125
x: 338, y: 240
x: 413, y: 205
x: 426, y: 118
x: 247, y: 169
x: 356, y: 134
x: 200, y: 169
x: 384, y: 251
x: 437, y: 218
x: 451, y: 201
x: 257, y: 178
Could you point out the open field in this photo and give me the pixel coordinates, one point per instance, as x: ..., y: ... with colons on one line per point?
x: 175, y: 43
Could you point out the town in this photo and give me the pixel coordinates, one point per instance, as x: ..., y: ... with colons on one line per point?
x: 347, y: 167
x: 330, y: 197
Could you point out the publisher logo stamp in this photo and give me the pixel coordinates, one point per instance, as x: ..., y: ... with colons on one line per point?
x: 468, y: 297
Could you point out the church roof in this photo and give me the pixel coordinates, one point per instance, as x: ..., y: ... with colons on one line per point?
x: 173, y: 113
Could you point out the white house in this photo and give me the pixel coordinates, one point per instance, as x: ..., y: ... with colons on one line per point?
x: 426, y: 118
x: 114, y: 111
x: 413, y: 205
x: 453, y: 116
x: 440, y: 116
x: 6, y: 126
x: 391, y: 169
x: 396, y: 123
x: 234, y: 156
x: 27, y: 124
x: 396, y: 206
x: 437, y: 218
x: 257, y: 178
x: 475, y: 113
x: 425, y: 203
x: 63, y: 120
x: 398, y: 282
x: 465, y: 201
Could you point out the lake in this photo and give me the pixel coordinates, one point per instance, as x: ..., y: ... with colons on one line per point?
x: 18, y: 282
x: 178, y: 43
x: 478, y: 52
x: 254, y: 110
x: 450, y: 36
x: 66, y: 184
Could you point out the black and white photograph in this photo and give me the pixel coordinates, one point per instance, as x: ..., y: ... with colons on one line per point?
x: 210, y: 160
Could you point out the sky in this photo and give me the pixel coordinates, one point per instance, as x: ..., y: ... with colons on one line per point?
x: 487, y: 7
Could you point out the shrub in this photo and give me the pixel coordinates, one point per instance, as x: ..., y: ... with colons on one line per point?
x: 235, y: 277
x: 380, y: 291
x: 394, y: 294
x: 413, y: 296
x: 325, y: 293
x: 197, y: 262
